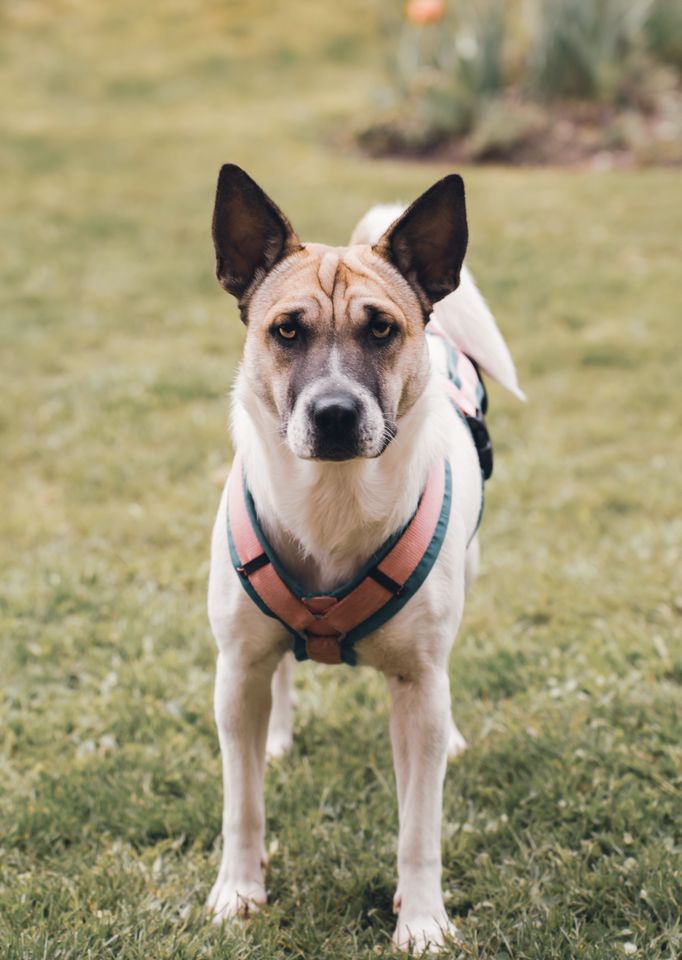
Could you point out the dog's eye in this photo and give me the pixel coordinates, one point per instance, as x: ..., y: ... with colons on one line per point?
x: 380, y: 329
x: 287, y: 331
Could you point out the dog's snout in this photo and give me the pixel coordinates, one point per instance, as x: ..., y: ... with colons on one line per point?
x: 336, y: 415
x: 336, y: 420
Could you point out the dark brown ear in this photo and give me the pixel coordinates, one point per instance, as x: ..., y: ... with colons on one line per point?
x: 427, y: 244
x: 250, y: 233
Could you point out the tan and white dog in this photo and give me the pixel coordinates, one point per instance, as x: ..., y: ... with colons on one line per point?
x: 338, y: 415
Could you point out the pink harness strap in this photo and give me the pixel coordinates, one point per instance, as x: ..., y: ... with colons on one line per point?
x: 324, y: 620
x: 464, y: 396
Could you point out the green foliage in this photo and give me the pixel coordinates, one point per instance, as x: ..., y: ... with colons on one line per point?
x: 504, y: 128
x: 444, y: 72
x: 664, y: 31
x: 454, y: 74
x: 561, y: 826
x: 587, y: 49
x: 478, y: 52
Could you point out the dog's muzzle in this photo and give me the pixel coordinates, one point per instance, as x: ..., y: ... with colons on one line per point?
x: 335, y: 420
x: 332, y: 421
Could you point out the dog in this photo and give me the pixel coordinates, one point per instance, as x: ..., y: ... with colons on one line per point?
x: 347, y: 527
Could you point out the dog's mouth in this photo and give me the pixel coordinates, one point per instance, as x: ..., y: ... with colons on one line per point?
x: 353, y: 450
x: 340, y: 442
x: 335, y: 455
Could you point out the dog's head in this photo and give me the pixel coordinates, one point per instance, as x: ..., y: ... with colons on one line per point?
x: 335, y: 343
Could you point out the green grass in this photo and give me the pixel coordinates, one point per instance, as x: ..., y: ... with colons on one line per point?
x: 118, y: 350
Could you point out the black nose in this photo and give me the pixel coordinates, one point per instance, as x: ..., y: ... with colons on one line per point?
x: 336, y: 419
x: 336, y: 416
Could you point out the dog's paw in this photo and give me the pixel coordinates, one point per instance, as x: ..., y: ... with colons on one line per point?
x: 425, y: 934
x: 456, y: 742
x: 278, y: 744
x: 228, y: 900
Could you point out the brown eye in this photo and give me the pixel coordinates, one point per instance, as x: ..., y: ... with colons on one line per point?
x: 380, y: 329
x: 287, y: 331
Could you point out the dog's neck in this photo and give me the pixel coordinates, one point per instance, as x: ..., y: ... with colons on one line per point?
x: 323, y: 519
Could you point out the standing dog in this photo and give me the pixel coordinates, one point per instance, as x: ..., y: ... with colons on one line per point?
x: 347, y: 528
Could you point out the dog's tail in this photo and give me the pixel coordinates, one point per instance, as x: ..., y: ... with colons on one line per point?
x: 463, y: 315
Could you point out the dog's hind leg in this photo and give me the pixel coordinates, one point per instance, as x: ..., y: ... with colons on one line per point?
x: 471, y: 563
x: 456, y: 742
x: 281, y: 726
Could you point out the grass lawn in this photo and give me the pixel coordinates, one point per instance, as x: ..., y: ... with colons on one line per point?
x: 118, y: 349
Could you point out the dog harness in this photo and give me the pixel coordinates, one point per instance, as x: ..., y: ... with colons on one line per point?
x: 326, y: 628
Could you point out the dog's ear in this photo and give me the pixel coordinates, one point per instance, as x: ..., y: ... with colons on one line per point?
x: 250, y: 233
x: 427, y: 244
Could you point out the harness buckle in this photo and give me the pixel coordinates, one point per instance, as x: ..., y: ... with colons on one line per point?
x: 388, y: 583
x: 251, y: 566
x: 484, y: 447
x: 323, y: 649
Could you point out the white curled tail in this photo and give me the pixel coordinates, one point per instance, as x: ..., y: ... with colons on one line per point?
x: 466, y: 318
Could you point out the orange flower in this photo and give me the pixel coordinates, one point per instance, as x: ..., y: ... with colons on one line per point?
x: 425, y: 11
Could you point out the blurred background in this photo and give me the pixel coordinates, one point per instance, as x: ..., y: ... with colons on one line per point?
x: 118, y: 351
x: 563, y: 81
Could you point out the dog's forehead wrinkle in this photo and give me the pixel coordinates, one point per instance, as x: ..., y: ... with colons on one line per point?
x: 363, y: 260
x: 364, y: 265
x: 354, y: 262
x: 327, y: 271
x: 340, y: 300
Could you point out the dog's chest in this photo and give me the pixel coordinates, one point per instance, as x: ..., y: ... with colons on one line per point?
x: 322, y: 554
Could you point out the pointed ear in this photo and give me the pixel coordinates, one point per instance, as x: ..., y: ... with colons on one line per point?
x: 250, y: 233
x: 427, y: 244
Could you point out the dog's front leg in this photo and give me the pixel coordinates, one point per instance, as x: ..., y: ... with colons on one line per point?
x: 242, y: 707
x: 420, y: 727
